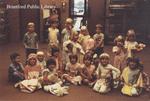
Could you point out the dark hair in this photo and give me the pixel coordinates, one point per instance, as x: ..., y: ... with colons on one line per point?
x: 54, y: 50
x: 73, y: 56
x: 88, y: 56
x: 54, y: 22
x: 69, y: 45
x: 50, y: 61
x: 13, y: 56
x: 135, y: 60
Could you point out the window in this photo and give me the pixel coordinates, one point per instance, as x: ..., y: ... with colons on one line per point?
x: 78, y: 12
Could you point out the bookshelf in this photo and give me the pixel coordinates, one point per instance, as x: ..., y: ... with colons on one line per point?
x: 117, y: 17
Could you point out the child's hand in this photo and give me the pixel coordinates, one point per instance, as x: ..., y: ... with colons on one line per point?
x: 135, y: 85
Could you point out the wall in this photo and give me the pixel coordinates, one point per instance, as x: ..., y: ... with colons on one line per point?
x: 96, y: 14
x: 13, y: 21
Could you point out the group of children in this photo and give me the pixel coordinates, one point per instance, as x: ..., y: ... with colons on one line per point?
x: 79, y: 58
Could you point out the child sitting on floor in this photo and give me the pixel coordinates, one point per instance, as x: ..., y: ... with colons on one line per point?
x: 132, y: 78
x: 72, y: 71
x: 106, y: 73
x: 32, y: 72
x: 56, y: 54
x: 88, y: 70
x: 15, y: 71
x: 50, y: 80
x: 146, y: 77
x: 41, y: 59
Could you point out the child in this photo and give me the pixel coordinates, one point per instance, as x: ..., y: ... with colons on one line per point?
x: 30, y: 40
x: 32, y: 72
x: 106, y: 73
x: 131, y: 45
x: 57, y: 56
x: 99, y: 40
x: 72, y: 70
x: 132, y: 78
x: 41, y: 59
x: 146, y: 78
x: 83, y: 38
x: 53, y: 35
x: 15, y: 71
x: 50, y: 80
x: 120, y: 53
x: 72, y: 47
x: 68, y: 30
x: 88, y: 70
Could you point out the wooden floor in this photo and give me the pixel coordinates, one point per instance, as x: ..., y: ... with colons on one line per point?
x: 76, y: 93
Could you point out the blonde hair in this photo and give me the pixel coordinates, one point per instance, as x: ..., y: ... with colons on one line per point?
x: 119, y: 38
x: 30, y: 24
x: 69, y: 20
x: 99, y: 26
x: 130, y: 32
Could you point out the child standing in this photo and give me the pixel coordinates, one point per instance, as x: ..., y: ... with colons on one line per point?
x: 68, y: 30
x: 84, y: 38
x: 72, y: 71
x: 132, y: 78
x: 30, y: 39
x: 106, y: 73
x: 120, y: 53
x: 99, y: 40
x: 15, y: 71
x: 53, y: 35
x: 131, y: 45
x: 72, y: 46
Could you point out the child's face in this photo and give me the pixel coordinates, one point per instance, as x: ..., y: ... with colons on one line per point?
x: 131, y: 37
x: 73, y: 60
x: 87, y: 62
x: 31, y: 28
x: 45, y: 74
x: 75, y: 37
x: 104, y: 61
x: 70, y: 47
x: 84, y: 32
x: 40, y: 58
x: 98, y: 30
x: 51, y: 67
x: 56, y: 54
x: 17, y: 59
x: 69, y: 25
x: 32, y: 61
x: 54, y: 25
x: 132, y: 65
x: 119, y: 43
